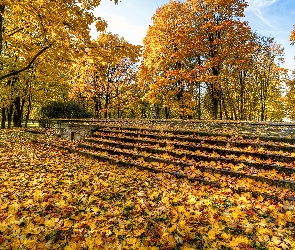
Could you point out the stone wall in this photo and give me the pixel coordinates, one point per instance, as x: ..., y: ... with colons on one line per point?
x: 70, y: 129
x: 75, y: 131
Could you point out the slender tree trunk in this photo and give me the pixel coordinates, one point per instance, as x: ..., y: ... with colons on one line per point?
x: 28, y: 111
x: 97, y: 107
x: 167, y: 110
x: 224, y: 107
x: 106, y: 106
x: 215, y: 102
x: 17, y: 115
x: 199, y: 103
x: 262, y: 111
x: 220, y: 108
x: 242, y: 95
x: 216, y: 91
x: 262, y: 100
x: 143, y: 110
x: 3, y: 121
x: 9, y: 116
x: 22, y: 110
x: 157, y: 111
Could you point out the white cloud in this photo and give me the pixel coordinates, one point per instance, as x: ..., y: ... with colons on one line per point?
x: 261, y: 3
x: 256, y: 7
x: 119, y: 25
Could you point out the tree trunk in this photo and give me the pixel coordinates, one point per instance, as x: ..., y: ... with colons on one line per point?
x: 143, y: 110
x: 28, y: 111
x: 167, y: 112
x: 97, y: 107
x: 9, y: 116
x: 216, y: 93
x: 215, y: 102
x: 157, y: 111
x: 17, y: 115
x: 119, y: 113
x: 3, y: 121
x: 106, y: 106
x: 262, y: 110
x: 220, y: 109
x: 199, y: 103
x: 22, y: 110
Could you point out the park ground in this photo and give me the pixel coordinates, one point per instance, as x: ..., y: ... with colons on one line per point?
x: 53, y: 199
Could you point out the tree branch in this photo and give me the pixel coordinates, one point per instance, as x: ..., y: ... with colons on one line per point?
x: 13, y: 73
x: 16, y: 31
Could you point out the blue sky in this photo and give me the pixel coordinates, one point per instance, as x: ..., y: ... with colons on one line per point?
x: 275, y: 18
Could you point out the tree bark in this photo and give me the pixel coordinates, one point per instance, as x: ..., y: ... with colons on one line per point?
x: 107, y: 101
x: 3, y: 121
x: 215, y: 102
x: 17, y: 115
x: 97, y: 106
x: 216, y: 93
x: 167, y: 112
x: 9, y: 116
x: 199, y: 103
x: 28, y: 111
x: 220, y: 108
x: 157, y: 112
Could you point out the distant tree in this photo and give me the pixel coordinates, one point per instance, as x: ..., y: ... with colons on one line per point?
x: 290, y: 99
x: 107, y: 74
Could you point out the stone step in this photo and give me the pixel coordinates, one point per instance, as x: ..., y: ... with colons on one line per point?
x: 283, y: 139
x: 130, y: 163
x: 201, y: 147
x: 200, y: 139
x: 182, y: 164
x: 194, y: 156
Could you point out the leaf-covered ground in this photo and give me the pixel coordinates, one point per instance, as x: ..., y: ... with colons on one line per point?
x: 52, y: 199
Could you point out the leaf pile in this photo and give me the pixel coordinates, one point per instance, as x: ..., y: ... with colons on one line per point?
x: 52, y: 199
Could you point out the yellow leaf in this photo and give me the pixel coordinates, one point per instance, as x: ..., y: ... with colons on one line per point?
x: 51, y: 223
x: 171, y: 241
x: 131, y: 241
x: 173, y: 228
x: 90, y: 242
x: 71, y: 246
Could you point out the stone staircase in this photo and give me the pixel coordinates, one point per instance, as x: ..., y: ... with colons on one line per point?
x: 241, y: 163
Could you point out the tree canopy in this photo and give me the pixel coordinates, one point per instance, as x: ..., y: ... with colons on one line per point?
x: 199, y: 60
x: 202, y: 48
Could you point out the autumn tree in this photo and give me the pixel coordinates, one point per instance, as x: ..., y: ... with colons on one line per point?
x: 35, y: 32
x: 290, y: 96
x: 267, y: 72
x: 190, y: 43
x: 253, y: 81
x: 166, y: 62
x: 107, y: 74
